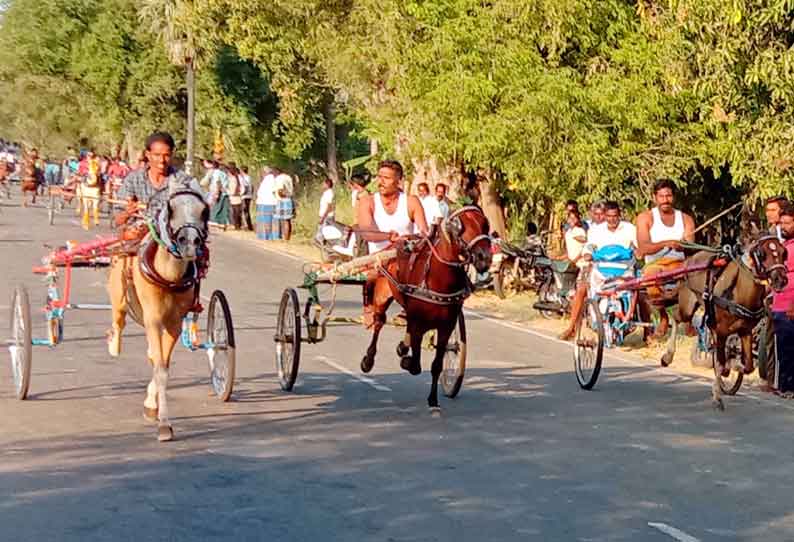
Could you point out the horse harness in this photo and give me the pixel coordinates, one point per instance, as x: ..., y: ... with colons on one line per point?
x: 711, y: 301
x: 414, y: 248
x: 162, y: 235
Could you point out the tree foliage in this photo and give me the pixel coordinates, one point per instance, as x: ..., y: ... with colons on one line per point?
x: 551, y: 99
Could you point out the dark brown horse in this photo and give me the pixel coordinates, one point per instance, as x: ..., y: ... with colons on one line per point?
x: 428, y: 278
x: 736, y: 292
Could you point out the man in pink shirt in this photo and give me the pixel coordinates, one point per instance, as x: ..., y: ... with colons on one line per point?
x: 783, y: 307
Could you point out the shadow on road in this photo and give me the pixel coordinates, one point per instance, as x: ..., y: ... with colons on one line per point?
x: 519, y: 455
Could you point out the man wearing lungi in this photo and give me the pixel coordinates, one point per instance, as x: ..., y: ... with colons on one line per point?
x: 659, y: 233
x: 783, y: 308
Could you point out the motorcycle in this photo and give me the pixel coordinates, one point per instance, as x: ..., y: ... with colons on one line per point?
x: 517, y: 269
x: 556, y: 293
x: 338, y: 243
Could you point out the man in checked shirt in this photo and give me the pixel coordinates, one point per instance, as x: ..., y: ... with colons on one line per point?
x: 152, y: 185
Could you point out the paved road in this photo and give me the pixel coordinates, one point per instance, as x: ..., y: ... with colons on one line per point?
x: 522, y: 454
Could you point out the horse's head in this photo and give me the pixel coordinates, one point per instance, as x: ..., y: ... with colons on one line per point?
x: 186, y: 219
x: 768, y: 258
x: 467, y: 229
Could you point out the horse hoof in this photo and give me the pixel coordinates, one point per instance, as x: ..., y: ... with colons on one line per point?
x: 435, y: 412
x: 718, y: 405
x: 150, y: 414
x: 725, y: 371
x: 408, y: 364
x: 165, y: 433
x: 667, y: 359
x: 402, y: 349
x: 747, y: 370
x: 367, y: 363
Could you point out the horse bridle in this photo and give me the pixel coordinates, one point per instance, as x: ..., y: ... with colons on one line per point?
x: 172, y: 246
x: 759, y: 270
x: 453, y: 227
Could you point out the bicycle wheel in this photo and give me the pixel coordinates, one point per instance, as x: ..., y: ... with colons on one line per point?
x: 588, y: 350
x: 221, y: 354
x: 288, y: 339
x: 20, y: 345
x: 455, y: 360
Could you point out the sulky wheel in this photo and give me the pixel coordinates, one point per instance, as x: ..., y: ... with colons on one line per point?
x: 221, y: 351
x: 588, y: 350
x: 455, y: 360
x: 288, y: 339
x: 733, y: 353
x: 20, y: 343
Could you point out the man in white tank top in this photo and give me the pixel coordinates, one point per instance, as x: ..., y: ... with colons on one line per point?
x: 659, y: 233
x: 385, y: 217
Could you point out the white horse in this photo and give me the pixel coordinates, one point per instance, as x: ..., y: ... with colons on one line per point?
x: 158, y: 287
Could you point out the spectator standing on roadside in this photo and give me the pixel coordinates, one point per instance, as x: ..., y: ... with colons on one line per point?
x: 772, y: 211
x: 443, y: 202
x: 358, y: 188
x: 266, y: 207
x: 783, y: 308
x: 248, y: 195
x: 235, y: 195
x: 285, y: 205
x: 429, y: 204
x: 219, y: 197
x: 327, y: 202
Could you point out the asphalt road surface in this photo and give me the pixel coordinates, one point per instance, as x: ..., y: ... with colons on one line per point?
x: 522, y: 454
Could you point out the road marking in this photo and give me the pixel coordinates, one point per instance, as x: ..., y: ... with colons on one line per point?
x: 679, y: 535
x: 365, y: 379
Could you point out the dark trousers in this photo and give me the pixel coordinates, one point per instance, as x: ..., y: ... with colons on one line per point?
x: 247, y: 214
x: 237, y: 213
x: 784, y: 341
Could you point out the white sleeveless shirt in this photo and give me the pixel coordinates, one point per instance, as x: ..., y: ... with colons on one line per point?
x: 399, y: 222
x: 661, y: 232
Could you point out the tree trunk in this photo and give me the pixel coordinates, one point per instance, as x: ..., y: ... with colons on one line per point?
x: 330, y: 138
x: 128, y: 146
x: 191, y: 114
x: 492, y: 206
x: 373, y: 147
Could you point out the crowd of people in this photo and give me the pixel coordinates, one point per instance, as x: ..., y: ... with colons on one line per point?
x: 659, y: 236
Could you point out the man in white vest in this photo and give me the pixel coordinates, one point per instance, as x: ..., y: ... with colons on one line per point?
x: 384, y: 217
x: 660, y: 231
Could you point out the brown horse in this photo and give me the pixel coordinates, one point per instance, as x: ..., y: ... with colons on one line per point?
x: 736, y: 292
x: 428, y: 278
x: 158, y: 287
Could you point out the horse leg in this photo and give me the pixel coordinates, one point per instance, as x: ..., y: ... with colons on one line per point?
x: 747, y: 353
x: 368, y: 361
x: 119, y: 309
x: 381, y: 299
x: 685, y: 309
x: 403, y: 347
x: 442, y: 339
x: 150, y: 403
x: 720, y: 361
x: 154, y: 335
x: 413, y: 362
x: 96, y: 208
x: 669, y: 355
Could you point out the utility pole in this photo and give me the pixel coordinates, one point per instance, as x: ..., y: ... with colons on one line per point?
x: 190, y: 75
